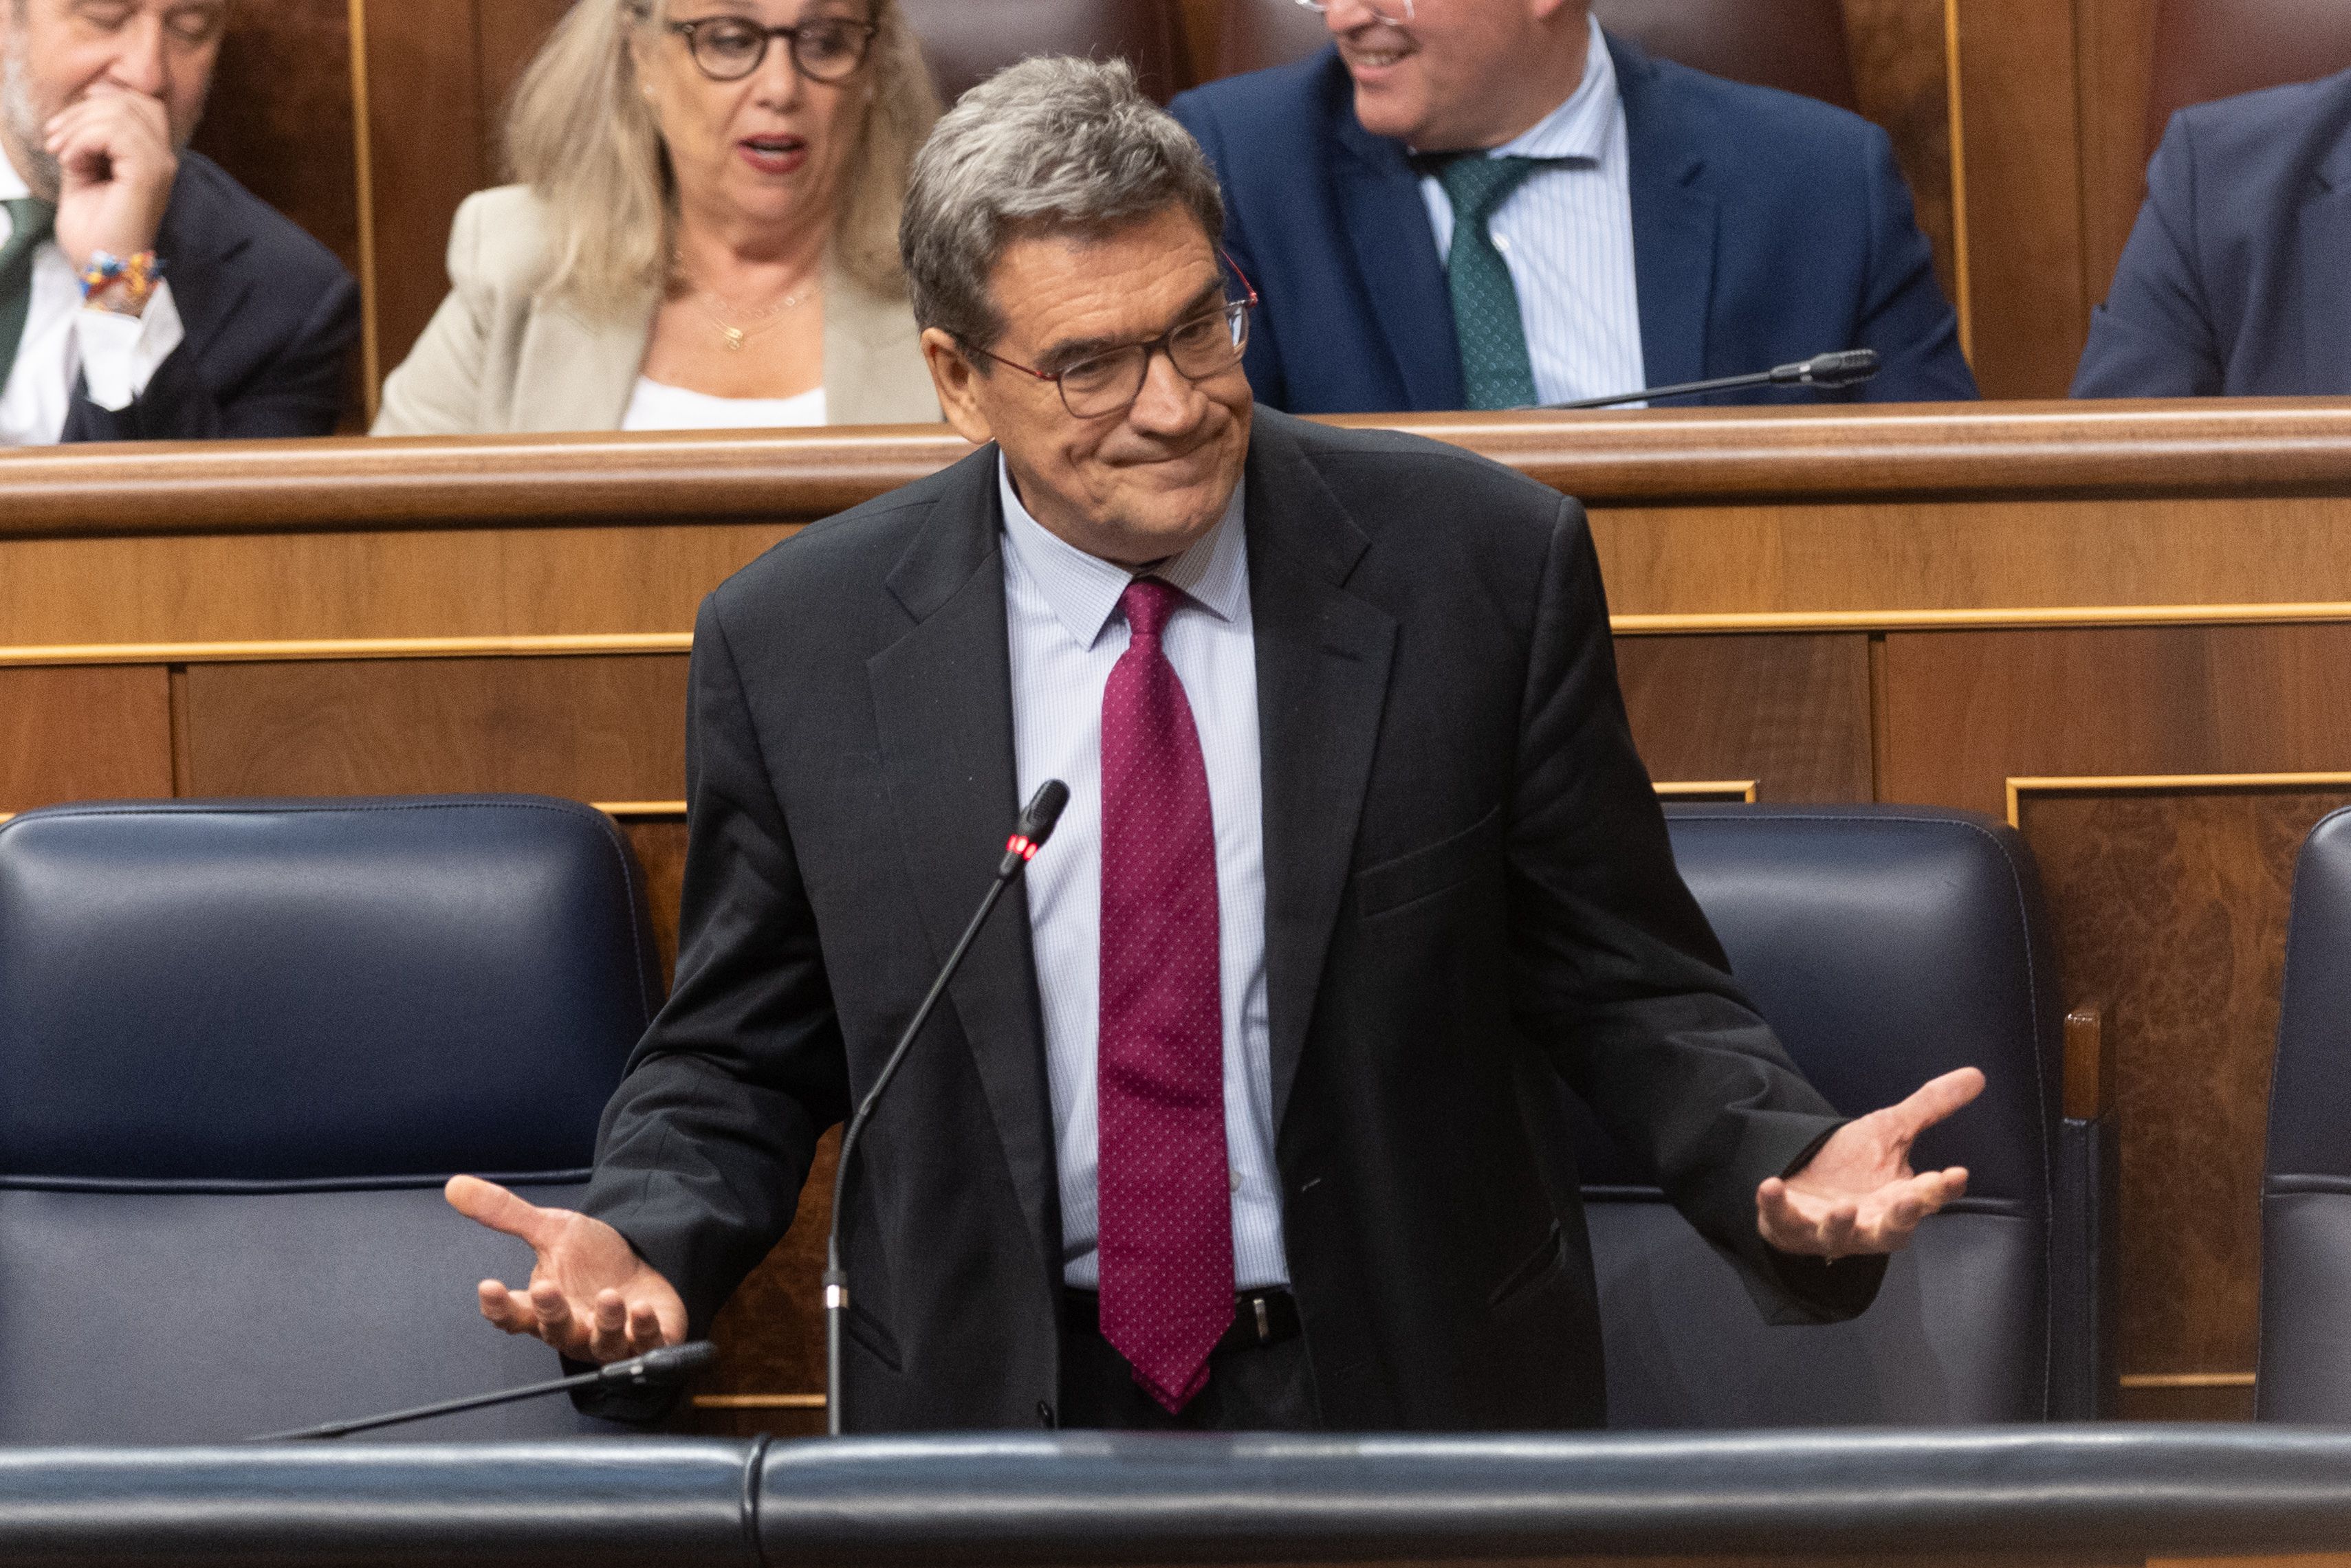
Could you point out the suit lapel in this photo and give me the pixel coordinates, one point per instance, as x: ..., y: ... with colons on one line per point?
x: 1673, y: 223
x: 205, y: 291
x: 575, y: 373
x: 2326, y: 277
x: 943, y: 707
x: 1323, y: 658
x: 1396, y: 259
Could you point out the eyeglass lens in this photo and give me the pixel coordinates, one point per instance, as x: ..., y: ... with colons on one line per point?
x: 728, y: 48
x: 1205, y: 346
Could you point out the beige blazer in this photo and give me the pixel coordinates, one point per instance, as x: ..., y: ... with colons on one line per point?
x: 498, y: 356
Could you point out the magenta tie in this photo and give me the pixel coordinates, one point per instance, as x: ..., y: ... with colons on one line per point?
x: 1167, y: 1218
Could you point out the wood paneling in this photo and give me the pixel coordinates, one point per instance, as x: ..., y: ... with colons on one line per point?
x: 1789, y: 712
x: 280, y: 118
x: 2020, y: 129
x: 2117, y: 51
x: 1966, y: 710
x: 592, y: 729
x: 510, y: 32
x: 427, y: 130
x: 300, y: 586
x: 660, y: 846
x: 2170, y: 906
x: 84, y: 734
x: 1901, y: 72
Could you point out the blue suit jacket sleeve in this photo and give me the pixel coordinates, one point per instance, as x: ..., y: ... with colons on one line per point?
x: 1263, y: 362
x: 1905, y: 317
x: 2153, y: 337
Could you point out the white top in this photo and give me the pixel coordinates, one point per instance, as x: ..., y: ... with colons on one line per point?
x: 1065, y: 632
x: 655, y: 406
x: 1566, y: 235
x: 116, y: 355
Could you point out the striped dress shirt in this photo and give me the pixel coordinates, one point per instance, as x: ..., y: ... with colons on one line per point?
x: 1566, y: 235
x: 1062, y: 624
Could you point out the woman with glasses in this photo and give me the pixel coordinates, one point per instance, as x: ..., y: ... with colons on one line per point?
x: 704, y: 234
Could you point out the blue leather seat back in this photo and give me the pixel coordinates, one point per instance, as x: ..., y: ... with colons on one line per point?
x: 242, y: 1043
x: 1886, y: 946
x: 2303, y: 1371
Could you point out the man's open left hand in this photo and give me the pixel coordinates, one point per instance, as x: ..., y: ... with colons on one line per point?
x: 1857, y: 1193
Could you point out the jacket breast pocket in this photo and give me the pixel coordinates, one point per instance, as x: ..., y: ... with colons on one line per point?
x: 1430, y: 869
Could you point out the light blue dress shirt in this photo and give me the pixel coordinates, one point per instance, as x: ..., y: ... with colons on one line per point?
x: 1065, y: 632
x: 1566, y: 235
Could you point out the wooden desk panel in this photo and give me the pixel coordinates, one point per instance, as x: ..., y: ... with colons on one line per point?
x: 1839, y: 604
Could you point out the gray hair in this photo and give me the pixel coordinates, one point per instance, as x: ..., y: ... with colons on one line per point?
x: 1052, y: 144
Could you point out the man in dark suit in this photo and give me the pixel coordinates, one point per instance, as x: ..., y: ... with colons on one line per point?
x: 2237, y: 279
x: 144, y: 295
x: 1656, y: 224
x: 1240, y: 1115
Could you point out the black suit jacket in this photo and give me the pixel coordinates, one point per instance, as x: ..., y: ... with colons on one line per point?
x: 270, y: 317
x: 1467, y: 878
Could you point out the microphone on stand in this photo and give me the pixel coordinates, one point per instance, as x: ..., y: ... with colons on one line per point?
x: 1029, y: 835
x: 665, y: 1365
x: 1845, y: 367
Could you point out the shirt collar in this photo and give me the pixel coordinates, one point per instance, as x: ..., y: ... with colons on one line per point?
x: 1083, y: 590
x: 1578, y: 129
x: 12, y: 184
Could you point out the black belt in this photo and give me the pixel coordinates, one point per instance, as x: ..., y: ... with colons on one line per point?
x: 1260, y: 1317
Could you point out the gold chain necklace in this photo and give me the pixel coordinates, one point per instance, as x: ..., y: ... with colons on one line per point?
x: 709, y: 299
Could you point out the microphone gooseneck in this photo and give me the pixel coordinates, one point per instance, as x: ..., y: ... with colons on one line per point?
x: 667, y: 1364
x: 1844, y: 367
x: 1029, y: 835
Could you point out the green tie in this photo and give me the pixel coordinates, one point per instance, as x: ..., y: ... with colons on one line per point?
x: 1495, y: 370
x: 29, y: 221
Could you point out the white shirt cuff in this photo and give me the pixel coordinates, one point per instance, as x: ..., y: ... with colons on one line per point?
x: 120, y: 353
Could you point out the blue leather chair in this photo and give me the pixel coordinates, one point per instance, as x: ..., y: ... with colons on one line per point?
x: 2303, y: 1369
x: 1886, y: 945
x: 242, y: 1043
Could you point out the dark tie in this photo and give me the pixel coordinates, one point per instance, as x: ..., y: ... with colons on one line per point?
x: 29, y: 223
x: 1495, y: 370
x: 1164, y: 1184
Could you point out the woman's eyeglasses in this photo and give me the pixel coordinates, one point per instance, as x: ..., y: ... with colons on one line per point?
x: 728, y: 48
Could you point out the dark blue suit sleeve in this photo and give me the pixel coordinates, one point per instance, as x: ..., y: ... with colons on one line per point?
x: 296, y: 392
x: 2153, y: 338
x: 1906, y: 317
x: 1263, y: 362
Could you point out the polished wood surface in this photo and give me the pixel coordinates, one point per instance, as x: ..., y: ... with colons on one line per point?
x: 84, y: 734
x: 1793, y: 713
x: 592, y: 729
x: 2132, y: 619
x: 2171, y: 903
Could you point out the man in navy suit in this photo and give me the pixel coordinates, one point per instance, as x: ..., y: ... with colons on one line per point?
x: 1668, y: 225
x: 2237, y: 279
x: 144, y: 295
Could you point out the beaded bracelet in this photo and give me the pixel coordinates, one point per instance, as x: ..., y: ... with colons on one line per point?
x: 138, y: 275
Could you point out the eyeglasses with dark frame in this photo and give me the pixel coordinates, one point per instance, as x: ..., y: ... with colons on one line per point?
x: 1199, y: 347
x: 728, y: 48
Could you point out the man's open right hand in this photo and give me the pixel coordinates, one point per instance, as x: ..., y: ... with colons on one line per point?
x: 590, y: 1296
